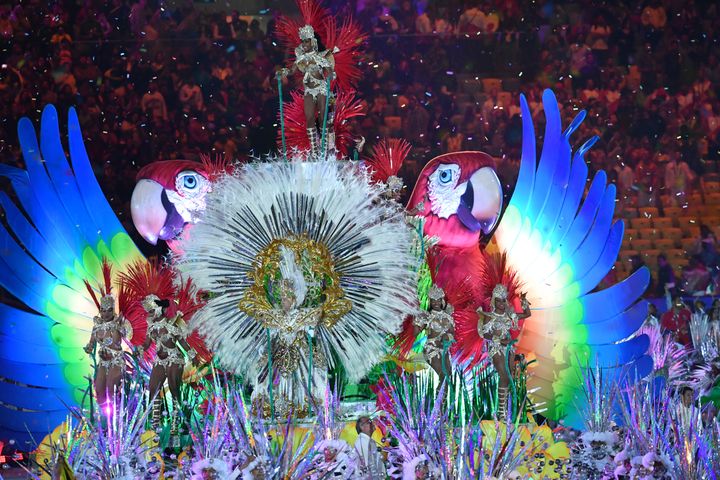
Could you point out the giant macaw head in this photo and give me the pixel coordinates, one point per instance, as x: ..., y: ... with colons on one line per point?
x: 170, y: 195
x: 459, y: 195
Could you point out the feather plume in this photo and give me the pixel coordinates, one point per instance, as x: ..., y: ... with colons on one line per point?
x: 107, y: 277
x: 141, y: 279
x: 216, y: 165
x: 92, y: 294
x: 333, y: 205
x: 347, y: 106
x: 496, y: 270
x: 188, y: 300
x: 349, y: 39
x: 386, y: 159
x: 468, y: 346
x: 287, y: 29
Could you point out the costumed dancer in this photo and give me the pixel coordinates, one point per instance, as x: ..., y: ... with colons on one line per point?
x: 438, y: 325
x: 496, y: 326
x: 295, y: 325
x: 157, y: 310
x: 168, y: 331
x: 439, y: 309
x: 370, y: 465
x: 335, y: 67
x: 318, y: 69
x: 109, y: 331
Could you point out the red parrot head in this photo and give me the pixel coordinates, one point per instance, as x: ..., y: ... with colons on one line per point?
x: 459, y: 195
x: 170, y: 195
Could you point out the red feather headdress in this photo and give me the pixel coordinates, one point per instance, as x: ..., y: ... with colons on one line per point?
x: 348, y: 37
x: 143, y: 278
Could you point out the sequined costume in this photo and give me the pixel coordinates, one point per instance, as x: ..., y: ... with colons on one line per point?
x: 291, y: 359
x: 438, y: 327
x: 496, y: 330
x: 108, y: 336
x: 167, y: 334
x: 495, y: 326
x: 312, y: 64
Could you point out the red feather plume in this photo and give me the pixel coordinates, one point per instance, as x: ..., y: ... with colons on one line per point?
x: 386, y: 159
x: 107, y: 277
x: 468, y: 346
x: 349, y: 40
x: 495, y: 270
x: 347, y: 106
x: 216, y: 166
x: 188, y: 300
x: 406, y: 338
x: 92, y: 294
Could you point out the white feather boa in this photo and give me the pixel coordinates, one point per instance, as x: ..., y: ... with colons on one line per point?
x: 333, y: 203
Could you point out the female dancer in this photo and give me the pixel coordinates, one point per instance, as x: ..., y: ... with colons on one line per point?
x: 108, y: 332
x: 169, y: 333
x: 317, y: 67
x: 495, y: 327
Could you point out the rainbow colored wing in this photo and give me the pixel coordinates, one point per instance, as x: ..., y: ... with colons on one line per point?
x: 50, y: 245
x: 562, y: 247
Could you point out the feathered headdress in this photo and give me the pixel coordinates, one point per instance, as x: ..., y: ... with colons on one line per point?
x: 345, y: 40
x: 143, y: 281
x: 497, y: 279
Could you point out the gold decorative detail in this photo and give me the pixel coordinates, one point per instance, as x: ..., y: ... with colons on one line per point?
x: 324, y: 303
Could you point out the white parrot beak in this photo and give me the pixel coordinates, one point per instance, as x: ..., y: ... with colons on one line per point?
x: 481, y: 204
x: 147, y: 209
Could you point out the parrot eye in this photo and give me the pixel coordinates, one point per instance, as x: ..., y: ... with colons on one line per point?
x: 191, y: 184
x: 445, y: 176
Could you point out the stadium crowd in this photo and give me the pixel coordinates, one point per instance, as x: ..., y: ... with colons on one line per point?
x: 152, y: 83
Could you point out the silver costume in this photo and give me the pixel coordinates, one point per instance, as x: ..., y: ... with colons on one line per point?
x: 104, y: 335
x: 165, y: 332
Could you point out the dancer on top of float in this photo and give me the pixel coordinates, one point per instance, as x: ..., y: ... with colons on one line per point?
x: 317, y: 67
